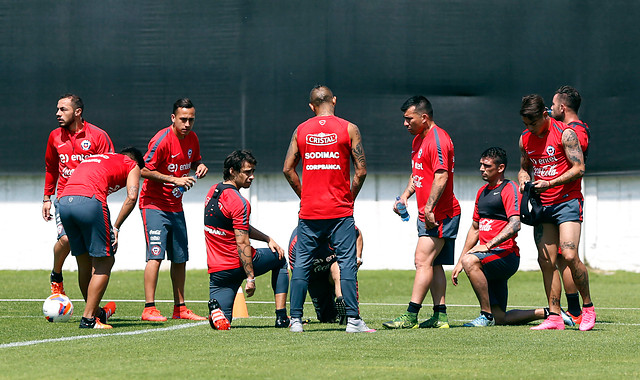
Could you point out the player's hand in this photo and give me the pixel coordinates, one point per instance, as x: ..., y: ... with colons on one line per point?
x: 454, y: 275
x: 430, y: 220
x: 250, y: 288
x: 46, y: 211
x: 541, y: 185
x: 186, y: 182
x: 395, y: 204
x: 479, y: 248
x: 201, y: 171
x: 274, y: 247
x: 115, y: 241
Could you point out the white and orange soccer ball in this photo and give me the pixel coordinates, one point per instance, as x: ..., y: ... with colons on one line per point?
x: 57, y: 308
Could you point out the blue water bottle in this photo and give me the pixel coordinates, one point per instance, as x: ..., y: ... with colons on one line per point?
x: 402, y: 208
x: 178, y: 191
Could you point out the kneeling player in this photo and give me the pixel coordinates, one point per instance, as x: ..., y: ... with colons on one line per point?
x: 324, y: 280
x: 230, y: 256
x: 490, y: 264
x: 496, y: 222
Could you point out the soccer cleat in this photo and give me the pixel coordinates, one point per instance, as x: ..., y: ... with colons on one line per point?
x: 481, y: 321
x: 357, y: 325
x: 405, y: 321
x: 588, y: 318
x: 341, y: 308
x: 566, y: 318
x: 553, y: 322
x: 94, y: 323
x: 181, y: 312
x: 107, y: 311
x: 576, y: 320
x: 57, y: 288
x: 296, y: 325
x: 217, y: 320
x: 437, y: 321
x: 100, y: 325
x: 152, y: 314
x: 282, y: 322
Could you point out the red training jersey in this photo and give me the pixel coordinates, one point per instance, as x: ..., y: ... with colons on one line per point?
x: 549, y: 161
x: 493, y: 208
x: 65, y: 151
x: 168, y: 155
x: 100, y: 175
x: 428, y: 154
x: 325, y: 148
x: 224, y: 211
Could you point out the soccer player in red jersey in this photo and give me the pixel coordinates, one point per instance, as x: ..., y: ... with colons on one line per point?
x: 326, y: 145
x: 173, y: 152
x: 432, y: 165
x: 551, y: 155
x: 230, y: 257
x: 565, y: 106
x: 67, y: 146
x: 496, y: 222
x: 85, y: 215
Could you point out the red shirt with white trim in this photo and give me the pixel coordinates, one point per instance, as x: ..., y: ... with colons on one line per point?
x: 168, y: 155
x: 429, y: 154
x: 549, y: 161
x: 493, y: 208
x: 229, y: 211
x: 66, y: 150
x: 100, y: 175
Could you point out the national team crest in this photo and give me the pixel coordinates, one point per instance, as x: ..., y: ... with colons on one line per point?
x: 85, y: 144
x: 322, y: 122
x: 189, y: 152
x: 551, y: 151
x: 155, y: 250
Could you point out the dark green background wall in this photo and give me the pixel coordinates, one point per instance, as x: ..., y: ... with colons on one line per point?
x: 249, y: 65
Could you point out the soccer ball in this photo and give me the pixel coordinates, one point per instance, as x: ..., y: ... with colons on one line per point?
x: 57, y: 308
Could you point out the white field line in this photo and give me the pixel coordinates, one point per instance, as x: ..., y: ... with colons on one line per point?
x: 78, y: 337
x: 309, y: 303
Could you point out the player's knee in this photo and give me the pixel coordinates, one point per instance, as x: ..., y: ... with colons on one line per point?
x: 470, y: 262
x: 64, y: 240
x: 545, y: 263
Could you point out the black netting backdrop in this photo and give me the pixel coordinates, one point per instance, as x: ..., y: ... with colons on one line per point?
x: 248, y: 67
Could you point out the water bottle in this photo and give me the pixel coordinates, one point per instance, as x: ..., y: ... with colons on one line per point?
x: 179, y: 190
x: 402, y: 209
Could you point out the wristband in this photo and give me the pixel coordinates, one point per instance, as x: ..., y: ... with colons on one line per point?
x: 359, y: 260
x: 251, y: 280
x: 46, y: 200
x: 116, y: 229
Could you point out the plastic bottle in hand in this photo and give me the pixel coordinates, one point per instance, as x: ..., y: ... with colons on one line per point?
x: 179, y: 190
x: 402, y: 209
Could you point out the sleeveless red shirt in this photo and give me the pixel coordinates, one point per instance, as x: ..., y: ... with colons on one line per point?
x: 325, y: 151
x: 549, y: 161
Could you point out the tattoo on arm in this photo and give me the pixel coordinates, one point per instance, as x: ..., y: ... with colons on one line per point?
x: 507, y: 232
x: 244, y: 251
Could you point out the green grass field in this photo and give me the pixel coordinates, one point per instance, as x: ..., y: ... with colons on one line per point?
x: 30, y: 347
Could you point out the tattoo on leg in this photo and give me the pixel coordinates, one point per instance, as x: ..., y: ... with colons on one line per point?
x: 555, y: 301
x: 568, y: 245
